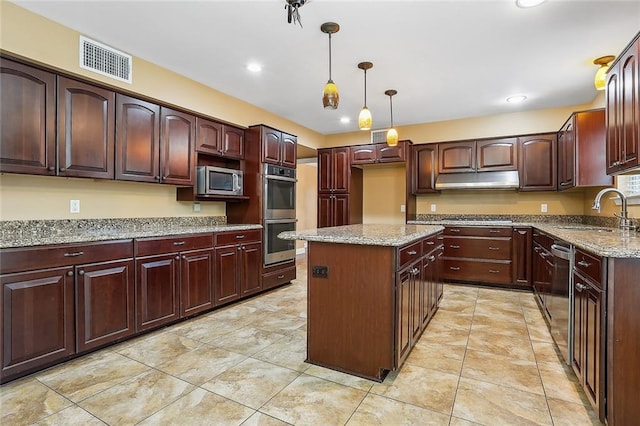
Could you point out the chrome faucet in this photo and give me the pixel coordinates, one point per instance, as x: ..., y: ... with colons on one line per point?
x: 625, y: 222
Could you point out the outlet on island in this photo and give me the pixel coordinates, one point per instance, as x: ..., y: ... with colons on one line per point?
x: 320, y: 272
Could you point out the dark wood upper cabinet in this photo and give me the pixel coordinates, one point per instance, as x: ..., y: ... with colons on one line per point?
x: 177, y: 135
x: 86, y: 117
x: 538, y: 165
x: 582, y: 151
x: 219, y: 139
x: 27, y: 120
x: 497, y: 154
x: 623, y: 110
x: 137, y: 139
x: 456, y: 157
x: 278, y: 147
x: 424, y: 168
x: 377, y: 153
x: 334, y: 170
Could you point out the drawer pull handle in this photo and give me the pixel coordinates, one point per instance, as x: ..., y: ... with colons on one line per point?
x: 580, y: 287
x: 494, y: 271
x: 280, y: 277
x: 432, y: 258
x: 536, y: 249
x: 179, y: 243
x: 430, y: 243
x: 74, y: 254
x: 494, y: 248
x: 412, y: 252
x: 584, y: 263
x: 454, y: 268
x: 239, y: 237
x: 455, y: 230
x: 494, y: 231
x: 453, y: 246
x: 415, y: 271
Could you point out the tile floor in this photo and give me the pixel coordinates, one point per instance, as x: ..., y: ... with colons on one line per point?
x: 486, y: 358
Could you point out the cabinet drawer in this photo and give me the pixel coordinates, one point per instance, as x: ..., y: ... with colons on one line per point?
x: 589, y: 265
x: 409, y: 254
x: 469, y: 270
x: 32, y: 258
x: 478, y: 231
x: 160, y: 245
x: 278, y: 277
x: 430, y: 243
x: 234, y: 237
x: 478, y: 248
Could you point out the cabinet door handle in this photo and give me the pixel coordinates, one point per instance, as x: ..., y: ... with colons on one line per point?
x: 536, y: 249
x: 580, y: 286
x: 184, y: 257
x: 177, y: 257
x: 415, y: 271
x: 584, y: 263
x: 51, y: 169
x: 81, y: 272
x: 69, y: 273
x: 494, y: 248
x: 239, y: 237
x: 62, y: 170
x: 565, y: 183
x: 157, y: 178
x: 454, y: 268
x: 412, y: 252
x: 179, y: 243
x: 454, y: 246
x: 74, y: 254
x: 432, y: 258
x: 280, y: 277
x: 494, y: 271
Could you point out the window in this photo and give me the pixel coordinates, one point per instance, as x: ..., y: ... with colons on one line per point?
x: 630, y: 185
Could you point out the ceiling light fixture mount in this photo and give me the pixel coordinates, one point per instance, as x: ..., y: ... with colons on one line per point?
x: 364, y: 119
x: 330, y: 96
x: 600, y: 80
x: 293, y: 14
x: 392, y: 133
x: 516, y: 99
x: 525, y: 4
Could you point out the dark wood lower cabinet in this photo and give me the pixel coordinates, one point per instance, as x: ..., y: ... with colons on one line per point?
x: 196, y: 282
x: 37, y: 320
x: 157, y: 280
x: 238, y: 265
x: 104, y: 303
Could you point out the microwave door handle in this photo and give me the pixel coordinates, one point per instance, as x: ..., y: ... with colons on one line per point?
x: 236, y: 183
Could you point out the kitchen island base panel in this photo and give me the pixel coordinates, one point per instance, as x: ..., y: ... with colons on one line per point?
x: 351, y: 311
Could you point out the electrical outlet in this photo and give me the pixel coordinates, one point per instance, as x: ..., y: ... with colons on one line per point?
x: 433, y: 207
x: 196, y: 207
x: 543, y: 208
x: 74, y: 206
x: 403, y: 208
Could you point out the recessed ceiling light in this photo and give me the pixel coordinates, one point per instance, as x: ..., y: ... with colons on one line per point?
x: 345, y: 120
x: 254, y: 67
x: 516, y: 99
x: 528, y: 3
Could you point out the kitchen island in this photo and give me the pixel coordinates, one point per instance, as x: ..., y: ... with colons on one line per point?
x: 372, y: 290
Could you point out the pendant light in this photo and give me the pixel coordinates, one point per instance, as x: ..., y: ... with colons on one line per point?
x: 600, y: 80
x: 364, y: 119
x: 392, y: 133
x: 330, y: 96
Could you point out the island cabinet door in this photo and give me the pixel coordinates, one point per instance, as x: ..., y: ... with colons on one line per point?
x: 404, y: 321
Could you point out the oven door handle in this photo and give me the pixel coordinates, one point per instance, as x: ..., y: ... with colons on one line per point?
x: 282, y: 178
x: 270, y: 221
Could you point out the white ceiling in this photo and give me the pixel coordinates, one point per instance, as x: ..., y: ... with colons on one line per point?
x: 447, y: 59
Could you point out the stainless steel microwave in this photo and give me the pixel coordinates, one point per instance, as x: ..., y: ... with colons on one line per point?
x: 218, y: 181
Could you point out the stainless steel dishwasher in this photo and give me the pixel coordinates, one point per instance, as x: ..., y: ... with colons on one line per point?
x: 561, y: 303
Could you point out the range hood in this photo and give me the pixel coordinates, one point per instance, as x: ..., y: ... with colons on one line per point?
x: 481, y: 180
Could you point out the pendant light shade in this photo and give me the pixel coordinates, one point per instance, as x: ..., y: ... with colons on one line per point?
x: 392, y: 133
x: 600, y: 80
x: 330, y: 96
x: 364, y: 119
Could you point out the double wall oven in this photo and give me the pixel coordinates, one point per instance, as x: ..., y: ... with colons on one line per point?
x: 279, y: 212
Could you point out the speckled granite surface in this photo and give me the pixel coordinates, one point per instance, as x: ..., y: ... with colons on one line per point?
x: 19, y: 233
x: 601, y: 237
x: 375, y: 235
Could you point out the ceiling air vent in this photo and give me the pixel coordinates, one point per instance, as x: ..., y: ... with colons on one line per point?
x: 105, y: 60
x: 378, y: 136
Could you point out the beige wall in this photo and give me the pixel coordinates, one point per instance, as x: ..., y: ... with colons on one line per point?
x: 383, y: 191
x: 306, y: 197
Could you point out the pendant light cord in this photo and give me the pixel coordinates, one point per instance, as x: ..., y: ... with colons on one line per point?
x: 330, y: 57
x: 391, y: 105
x: 365, y: 88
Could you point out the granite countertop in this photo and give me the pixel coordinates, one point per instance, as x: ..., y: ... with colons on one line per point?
x: 370, y: 234
x: 33, y: 233
x: 602, y: 241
